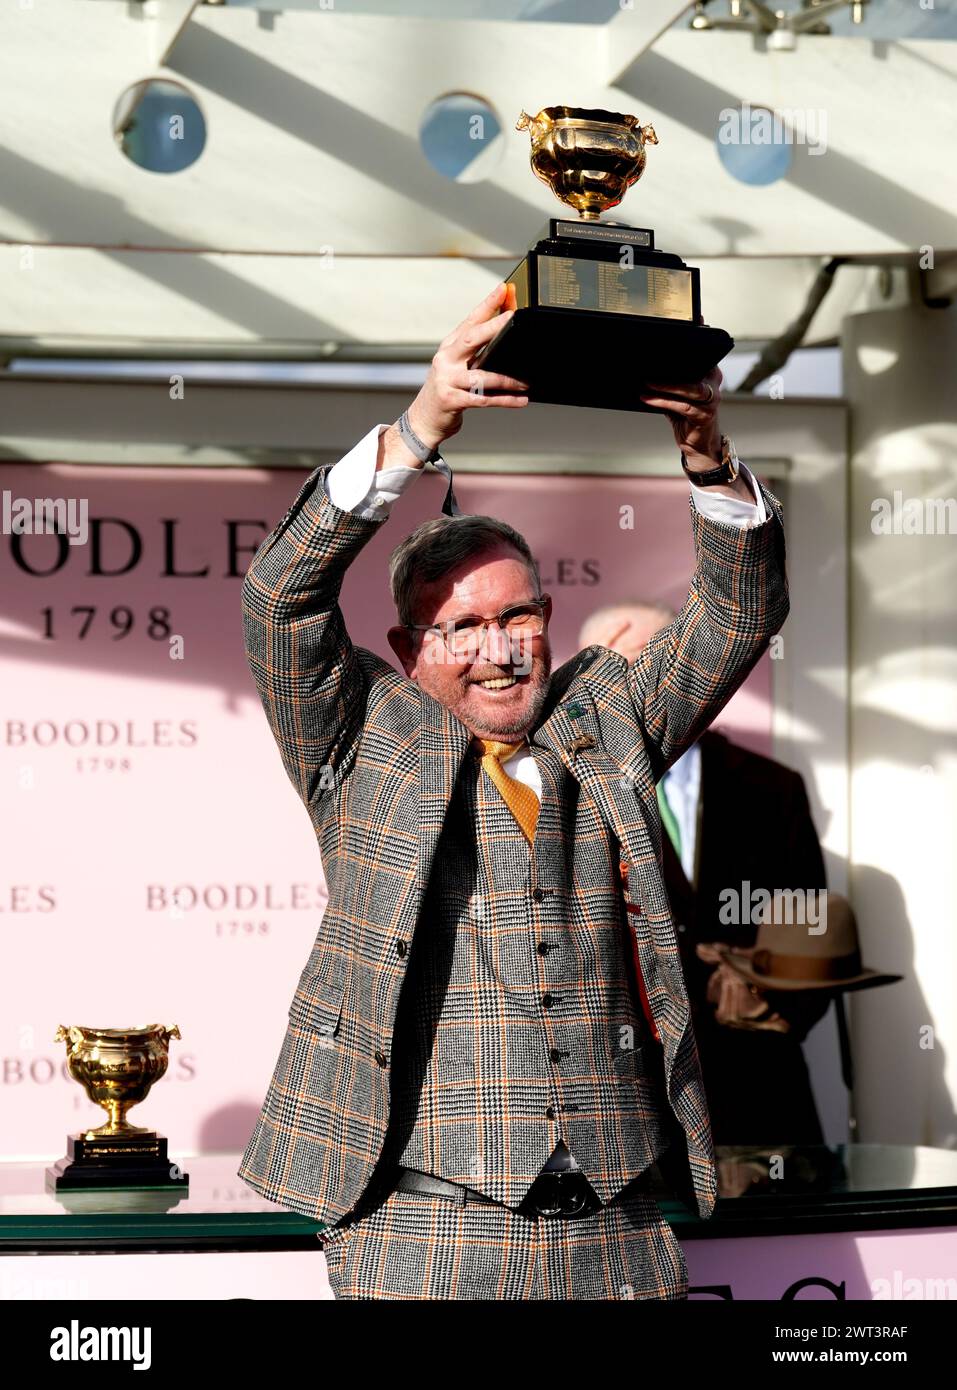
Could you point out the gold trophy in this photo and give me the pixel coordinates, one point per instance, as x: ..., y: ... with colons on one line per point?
x: 116, y: 1067
x: 599, y: 311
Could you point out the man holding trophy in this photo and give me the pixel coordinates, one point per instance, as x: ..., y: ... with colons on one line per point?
x: 490, y: 1046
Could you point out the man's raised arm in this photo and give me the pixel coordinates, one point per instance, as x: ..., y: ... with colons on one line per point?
x: 301, y: 657
x: 738, y: 597
x: 306, y: 670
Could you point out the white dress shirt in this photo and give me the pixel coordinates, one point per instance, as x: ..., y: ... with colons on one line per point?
x: 354, y: 485
x: 682, y: 786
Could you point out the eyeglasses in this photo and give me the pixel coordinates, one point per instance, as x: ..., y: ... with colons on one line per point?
x: 462, y: 635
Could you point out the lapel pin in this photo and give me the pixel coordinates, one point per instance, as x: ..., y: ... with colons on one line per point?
x: 577, y: 744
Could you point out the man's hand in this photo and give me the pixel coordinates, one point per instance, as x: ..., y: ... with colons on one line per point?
x: 454, y: 386
x: 693, y: 414
x: 737, y: 1003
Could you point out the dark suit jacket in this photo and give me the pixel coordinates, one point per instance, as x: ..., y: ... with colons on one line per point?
x: 755, y: 827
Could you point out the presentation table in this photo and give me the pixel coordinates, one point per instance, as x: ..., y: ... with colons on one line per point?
x: 847, y: 1222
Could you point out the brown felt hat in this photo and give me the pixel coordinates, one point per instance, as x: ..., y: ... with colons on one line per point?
x: 789, y: 954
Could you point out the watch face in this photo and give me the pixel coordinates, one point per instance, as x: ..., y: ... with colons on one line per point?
x: 729, y: 459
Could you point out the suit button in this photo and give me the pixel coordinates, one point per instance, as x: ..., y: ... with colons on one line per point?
x: 381, y: 1059
x: 538, y: 894
x: 555, y: 1055
x: 543, y: 948
x: 548, y: 1000
x: 401, y: 947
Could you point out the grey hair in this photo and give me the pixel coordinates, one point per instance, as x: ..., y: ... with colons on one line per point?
x: 441, y: 544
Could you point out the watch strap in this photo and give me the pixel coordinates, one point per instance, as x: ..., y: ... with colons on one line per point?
x: 725, y: 471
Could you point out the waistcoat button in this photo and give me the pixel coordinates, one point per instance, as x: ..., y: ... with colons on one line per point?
x: 543, y: 948
x: 548, y: 1000
x: 381, y: 1059
x: 401, y: 947
x: 538, y: 894
x: 555, y: 1055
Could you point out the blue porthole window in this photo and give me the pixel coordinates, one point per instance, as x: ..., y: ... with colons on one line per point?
x: 754, y: 144
x: 461, y: 137
x: 158, y: 125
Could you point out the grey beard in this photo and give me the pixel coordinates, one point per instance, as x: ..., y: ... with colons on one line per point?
x: 530, y: 718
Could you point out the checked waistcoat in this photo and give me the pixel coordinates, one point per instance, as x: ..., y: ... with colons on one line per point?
x: 520, y: 1020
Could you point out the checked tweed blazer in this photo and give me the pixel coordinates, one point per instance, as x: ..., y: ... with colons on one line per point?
x: 378, y: 763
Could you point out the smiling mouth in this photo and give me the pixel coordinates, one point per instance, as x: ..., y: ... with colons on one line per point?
x: 497, y: 683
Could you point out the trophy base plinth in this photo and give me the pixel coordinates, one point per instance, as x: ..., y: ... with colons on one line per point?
x: 585, y: 358
x: 117, y: 1163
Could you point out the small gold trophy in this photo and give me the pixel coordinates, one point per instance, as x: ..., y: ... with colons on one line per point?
x: 599, y: 311
x: 116, y: 1067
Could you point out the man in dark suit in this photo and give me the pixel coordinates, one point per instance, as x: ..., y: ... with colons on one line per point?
x: 733, y: 818
x: 491, y: 839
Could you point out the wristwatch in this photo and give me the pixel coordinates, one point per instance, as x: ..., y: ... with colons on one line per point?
x: 726, y: 471
x: 414, y: 443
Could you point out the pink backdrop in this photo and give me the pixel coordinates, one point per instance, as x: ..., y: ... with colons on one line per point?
x: 871, y: 1266
x: 128, y: 774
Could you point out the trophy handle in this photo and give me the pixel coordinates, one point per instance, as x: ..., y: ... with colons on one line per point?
x: 537, y: 125
x: 172, y: 1032
x: 647, y: 133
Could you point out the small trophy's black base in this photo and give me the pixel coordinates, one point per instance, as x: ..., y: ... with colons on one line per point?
x: 115, y: 1163
x: 580, y: 357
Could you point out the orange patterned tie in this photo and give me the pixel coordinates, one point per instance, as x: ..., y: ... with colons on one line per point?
x: 520, y: 800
